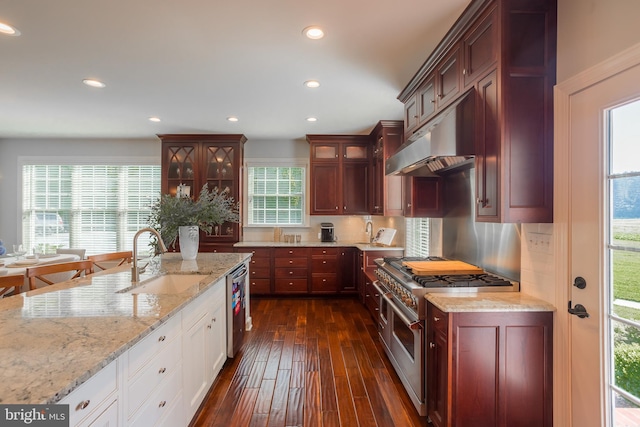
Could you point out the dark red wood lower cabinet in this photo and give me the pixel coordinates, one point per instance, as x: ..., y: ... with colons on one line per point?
x: 489, y: 369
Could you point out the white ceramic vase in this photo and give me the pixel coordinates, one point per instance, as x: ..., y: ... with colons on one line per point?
x: 189, y: 240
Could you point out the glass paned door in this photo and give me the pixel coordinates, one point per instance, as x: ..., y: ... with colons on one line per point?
x: 624, y: 258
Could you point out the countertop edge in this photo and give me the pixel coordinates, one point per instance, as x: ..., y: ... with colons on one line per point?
x: 488, y: 302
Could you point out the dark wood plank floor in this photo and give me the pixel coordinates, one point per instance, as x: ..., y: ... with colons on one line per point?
x: 309, y: 362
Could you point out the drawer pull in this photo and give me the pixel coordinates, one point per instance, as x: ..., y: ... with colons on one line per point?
x: 162, y: 404
x: 324, y: 252
x: 290, y: 261
x: 291, y: 272
x: 436, y: 319
x: 162, y: 370
x: 290, y: 252
x: 324, y: 262
x: 162, y: 338
x: 432, y: 345
x: 83, y: 405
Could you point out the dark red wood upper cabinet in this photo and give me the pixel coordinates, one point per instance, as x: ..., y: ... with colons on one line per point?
x: 214, y: 159
x: 504, y: 51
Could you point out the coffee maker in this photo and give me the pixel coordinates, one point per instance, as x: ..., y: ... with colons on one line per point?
x: 326, y: 232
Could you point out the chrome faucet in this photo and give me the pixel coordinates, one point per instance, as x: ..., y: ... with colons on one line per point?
x: 135, y: 272
x: 369, y: 230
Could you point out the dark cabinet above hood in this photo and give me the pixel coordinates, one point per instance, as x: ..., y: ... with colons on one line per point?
x: 444, y: 143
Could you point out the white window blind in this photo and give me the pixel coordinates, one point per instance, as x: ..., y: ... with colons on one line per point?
x: 100, y: 207
x: 276, y: 195
x: 417, y: 237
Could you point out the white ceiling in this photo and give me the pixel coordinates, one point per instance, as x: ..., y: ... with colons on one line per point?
x: 195, y: 62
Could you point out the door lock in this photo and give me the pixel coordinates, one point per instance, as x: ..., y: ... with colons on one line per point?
x: 579, y: 310
x: 579, y: 282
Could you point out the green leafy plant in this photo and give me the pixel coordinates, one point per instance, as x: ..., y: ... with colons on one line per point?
x: 211, y: 208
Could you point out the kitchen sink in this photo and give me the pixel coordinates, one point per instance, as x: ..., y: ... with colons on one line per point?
x: 168, y: 284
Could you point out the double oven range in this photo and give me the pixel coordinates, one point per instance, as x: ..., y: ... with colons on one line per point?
x: 403, y: 310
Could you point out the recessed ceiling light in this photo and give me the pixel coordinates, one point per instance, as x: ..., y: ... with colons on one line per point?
x: 312, y: 119
x: 8, y: 29
x: 232, y: 119
x: 93, y: 83
x: 314, y: 33
x: 154, y: 119
x: 312, y: 83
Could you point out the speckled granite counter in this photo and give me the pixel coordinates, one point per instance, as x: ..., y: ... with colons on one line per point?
x: 487, y: 301
x: 55, y: 338
x: 317, y: 244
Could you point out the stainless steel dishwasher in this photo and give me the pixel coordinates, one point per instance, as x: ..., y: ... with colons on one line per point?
x: 236, y: 298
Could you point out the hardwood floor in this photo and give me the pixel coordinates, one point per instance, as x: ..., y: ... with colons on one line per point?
x: 309, y: 362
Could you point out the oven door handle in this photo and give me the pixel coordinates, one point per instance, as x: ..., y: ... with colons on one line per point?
x: 416, y: 325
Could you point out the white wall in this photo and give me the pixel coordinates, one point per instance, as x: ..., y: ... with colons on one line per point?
x: 589, y: 32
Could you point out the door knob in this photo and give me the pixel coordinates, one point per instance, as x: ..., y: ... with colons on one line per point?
x: 579, y: 310
x: 579, y: 282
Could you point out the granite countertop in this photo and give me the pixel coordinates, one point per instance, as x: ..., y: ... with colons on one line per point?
x: 53, y: 339
x: 487, y: 301
x: 317, y: 244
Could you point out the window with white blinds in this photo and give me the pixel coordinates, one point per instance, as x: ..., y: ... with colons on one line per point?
x: 276, y: 195
x: 417, y: 237
x: 95, y: 207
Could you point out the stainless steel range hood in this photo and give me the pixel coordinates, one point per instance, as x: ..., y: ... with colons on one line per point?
x: 444, y: 143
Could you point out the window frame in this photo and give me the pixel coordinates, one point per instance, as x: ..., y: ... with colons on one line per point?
x: 265, y: 162
x: 23, y: 161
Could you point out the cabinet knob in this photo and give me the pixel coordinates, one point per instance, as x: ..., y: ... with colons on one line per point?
x: 336, y: 208
x: 290, y: 272
x: 345, y: 208
x: 433, y: 101
x: 464, y: 71
x: 83, y: 405
x: 209, y: 326
x: 432, y: 345
x: 162, y: 404
x: 214, y: 319
x: 290, y: 261
x: 324, y: 262
x: 162, y: 370
x: 161, y: 338
x: 436, y: 319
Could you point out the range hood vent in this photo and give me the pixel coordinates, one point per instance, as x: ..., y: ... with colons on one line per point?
x: 444, y: 143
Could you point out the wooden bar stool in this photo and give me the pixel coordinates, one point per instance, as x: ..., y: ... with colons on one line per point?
x: 74, y: 268
x: 110, y: 260
x: 11, y: 285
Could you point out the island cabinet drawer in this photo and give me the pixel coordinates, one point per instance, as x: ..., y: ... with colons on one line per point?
x: 148, y: 379
x: 194, y: 311
x: 292, y: 262
x: 259, y: 263
x: 324, y: 283
x: 293, y: 273
x: 324, y: 265
x: 324, y: 252
x: 161, y: 401
x: 291, y: 253
x: 259, y: 286
x: 88, y: 398
x: 288, y: 286
x: 153, y: 344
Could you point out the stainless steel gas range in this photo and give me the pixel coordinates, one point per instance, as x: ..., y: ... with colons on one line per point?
x: 402, y: 314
